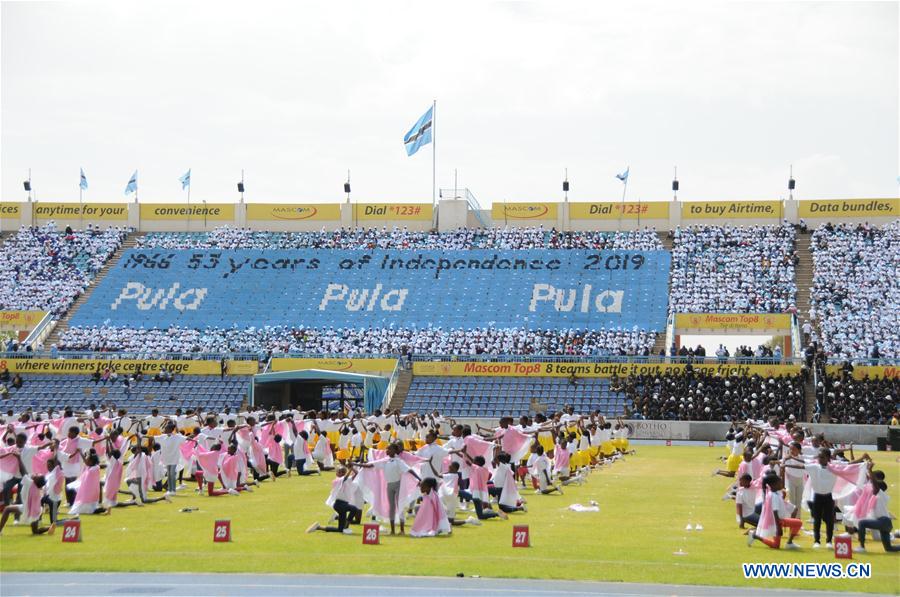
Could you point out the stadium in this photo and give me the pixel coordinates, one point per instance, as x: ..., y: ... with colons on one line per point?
x: 458, y: 396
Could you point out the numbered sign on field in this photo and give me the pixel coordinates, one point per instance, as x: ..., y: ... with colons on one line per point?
x: 521, y: 536
x: 371, y: 533
x: 668, y: 442
x: 843, y: 547
x: 71, y: 531
x: 712, y: 444
x: 222, y: 531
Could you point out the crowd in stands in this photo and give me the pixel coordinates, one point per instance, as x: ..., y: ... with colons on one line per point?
x: 728, y: 269
x: 844, y: 399
x: 394, y: 341
x: 46, y: 270
x: 855, y: 296
x: 513, y: 238
x: 697, y: 395
x: 859, y: 401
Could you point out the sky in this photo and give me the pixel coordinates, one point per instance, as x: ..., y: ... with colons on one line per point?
x: 297, y: 93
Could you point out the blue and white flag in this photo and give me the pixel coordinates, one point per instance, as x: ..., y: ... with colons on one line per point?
x: 420, y: 133
x: 185, y: 180
x: 83, y: 184
x: 624, y: 175
x: 132, y: 184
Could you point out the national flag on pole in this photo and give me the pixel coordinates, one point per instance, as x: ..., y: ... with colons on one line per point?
x: 624, y: 175
x: 83, y: 184
x: 420, y: 133
x: 132, y: 184
x: 185, y: 180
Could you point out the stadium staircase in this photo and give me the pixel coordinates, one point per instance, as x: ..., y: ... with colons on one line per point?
x: 804, y: 277
x: 63, y: 324
x: 404, y: 380
x: 660, y: 343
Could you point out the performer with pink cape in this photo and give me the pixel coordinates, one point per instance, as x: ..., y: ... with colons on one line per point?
x: 113, y: 481
x: 431, y: 519
x: 478, y: 491
x: 209, y: 464
x: 87, y: 489
x: 30, y: 509
x: 773, y: 517
x: 878, y: 519
x: 387, y: 483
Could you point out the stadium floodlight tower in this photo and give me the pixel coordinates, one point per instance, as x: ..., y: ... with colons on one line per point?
x: 675, y: 185
x: 347, y: 187
x: 792, y: 184
x: 27, y: 185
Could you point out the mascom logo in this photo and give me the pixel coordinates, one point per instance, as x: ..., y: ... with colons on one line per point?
x: 526, y: 212
x: 294, y: 213
x: 338, y: 365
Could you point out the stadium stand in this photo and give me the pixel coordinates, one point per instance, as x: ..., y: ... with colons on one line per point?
x: 727, y: 269
x: 80, y: 391
x: 46, y: 270
x: 856, y: 290
x: 496, y: 396
x: 521, y: 291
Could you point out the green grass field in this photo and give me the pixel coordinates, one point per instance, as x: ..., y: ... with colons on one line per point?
x: 645, y: 503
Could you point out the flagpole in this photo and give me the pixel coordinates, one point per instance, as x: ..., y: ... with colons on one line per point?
x: 434, y: 155
x: 625, y: 187
x: 189, y: 205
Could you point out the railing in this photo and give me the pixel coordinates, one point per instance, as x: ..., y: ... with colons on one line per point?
x: 139, y: 356
x: 40, y: 331
x: 796, y: 341
x: 474, y: 205
x: 391, y: 387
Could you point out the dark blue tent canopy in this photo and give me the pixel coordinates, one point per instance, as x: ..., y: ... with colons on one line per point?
x: 374, y: 386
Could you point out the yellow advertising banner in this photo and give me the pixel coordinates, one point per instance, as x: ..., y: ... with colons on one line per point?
x: 293, y: 211
x: 10, y: 209
x: 354, y: 365
x: 870, y: 371
x: 45, y: 210
x: 182, y: 211
x: 488, y: 369
x: 733, y: 321
x: 611, y: 210
x: 524, y: 211
x: 393, y: 211
x: 850, y: 208
x: 14, y: 321
x: 243, y: 367
x: 88, y: 366
x: 732, y: 209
